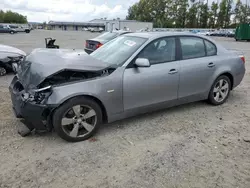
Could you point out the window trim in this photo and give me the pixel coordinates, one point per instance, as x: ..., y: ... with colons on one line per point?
x: 177, y: 52
x: 213, y: 45
x: 180, y: 48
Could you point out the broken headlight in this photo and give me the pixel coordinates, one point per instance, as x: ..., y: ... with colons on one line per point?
x: 38, y: 96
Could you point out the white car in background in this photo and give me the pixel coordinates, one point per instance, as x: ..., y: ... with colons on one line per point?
x: 10, y: 57
x: 19, y: 28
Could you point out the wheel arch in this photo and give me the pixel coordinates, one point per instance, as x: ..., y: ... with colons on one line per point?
x: 230, y: 76
x: 97, y: 100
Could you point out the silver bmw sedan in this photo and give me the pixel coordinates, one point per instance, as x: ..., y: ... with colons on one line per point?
x: 75, y: 93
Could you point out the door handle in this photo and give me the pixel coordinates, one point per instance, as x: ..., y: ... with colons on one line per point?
x: 211, y: 64
x: 172, y: 71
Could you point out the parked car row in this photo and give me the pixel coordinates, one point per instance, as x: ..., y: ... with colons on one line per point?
x: 93, y: 29
x: 12, y: 29
x: 221, y: 33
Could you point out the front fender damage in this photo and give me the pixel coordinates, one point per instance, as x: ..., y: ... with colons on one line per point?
x: 38, y: 96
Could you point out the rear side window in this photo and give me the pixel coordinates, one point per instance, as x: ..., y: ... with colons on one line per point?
x: 211, y: 48
x: 192, y: 47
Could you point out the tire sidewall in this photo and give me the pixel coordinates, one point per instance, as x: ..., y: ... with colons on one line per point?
x: 211, y: 94
x: 60, y: 111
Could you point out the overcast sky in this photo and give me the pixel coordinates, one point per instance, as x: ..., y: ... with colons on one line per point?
x: 68, y: 10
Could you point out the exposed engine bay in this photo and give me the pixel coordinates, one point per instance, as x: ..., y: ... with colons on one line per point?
x: 68, y: 76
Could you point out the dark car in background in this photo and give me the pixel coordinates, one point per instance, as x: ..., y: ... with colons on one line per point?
x: 6, y: 29
x: 95, y: 43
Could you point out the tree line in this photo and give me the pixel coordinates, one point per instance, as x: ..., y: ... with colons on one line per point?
x: 12, y: 17
x: 190, y: 14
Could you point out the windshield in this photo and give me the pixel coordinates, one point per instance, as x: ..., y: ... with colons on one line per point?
x: 107, y: 36
x: 117, y: 51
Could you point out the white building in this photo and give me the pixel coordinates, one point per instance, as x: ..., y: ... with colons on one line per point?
x: 73, y: 26
x: 123, y: 24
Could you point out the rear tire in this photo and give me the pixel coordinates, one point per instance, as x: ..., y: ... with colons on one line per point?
x: 74, y: 127
x: 220, y: 90
x: 12, y: 32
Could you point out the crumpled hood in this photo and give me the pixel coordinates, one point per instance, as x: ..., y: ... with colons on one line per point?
x: 6, y: 51
x: 42, y: 63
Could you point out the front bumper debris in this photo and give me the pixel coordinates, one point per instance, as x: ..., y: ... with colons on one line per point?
x: 34, y: 116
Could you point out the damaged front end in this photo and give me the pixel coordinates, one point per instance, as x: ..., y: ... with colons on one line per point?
x: 31, y: 106
x: 34, y: 82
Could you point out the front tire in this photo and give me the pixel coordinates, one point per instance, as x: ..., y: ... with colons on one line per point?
x: 220, y: 90
x: 77, y: 119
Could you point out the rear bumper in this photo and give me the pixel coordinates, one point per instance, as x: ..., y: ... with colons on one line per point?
x: 238, y: 78
x: 89, y: 51
x: 34, y: 116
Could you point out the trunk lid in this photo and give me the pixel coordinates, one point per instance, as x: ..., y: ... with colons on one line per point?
x: 92, y: 44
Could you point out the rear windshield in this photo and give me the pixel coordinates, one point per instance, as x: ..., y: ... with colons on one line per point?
x: 107, y: 36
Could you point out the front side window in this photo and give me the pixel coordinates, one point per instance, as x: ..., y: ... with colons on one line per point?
x: 192, y: 47
x: 119, y: 50
x: 211, y: 48
x: 159, y: 51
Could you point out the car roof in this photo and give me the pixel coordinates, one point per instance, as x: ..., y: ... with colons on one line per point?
x: 154, y: 35
x: 119, y: 31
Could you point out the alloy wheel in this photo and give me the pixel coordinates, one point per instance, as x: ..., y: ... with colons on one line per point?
x: 221, y: 90
x: 79, y: 121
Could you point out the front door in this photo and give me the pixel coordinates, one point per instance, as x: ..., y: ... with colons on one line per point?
x: 197, y: 67
x: 144, y: 86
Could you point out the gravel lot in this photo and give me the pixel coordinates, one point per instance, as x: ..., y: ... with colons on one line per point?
x: 194, y: 145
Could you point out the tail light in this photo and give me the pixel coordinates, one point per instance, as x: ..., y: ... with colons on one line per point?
x: 243, y: 58
x: 86, y: 44
x: 99, y: 45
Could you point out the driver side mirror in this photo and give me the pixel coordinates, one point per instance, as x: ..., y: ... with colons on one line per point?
x: 142, y: 62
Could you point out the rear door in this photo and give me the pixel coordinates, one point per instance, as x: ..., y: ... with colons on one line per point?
x: 198, y: 64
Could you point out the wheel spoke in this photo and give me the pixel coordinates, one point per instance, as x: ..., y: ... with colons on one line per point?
x: 76, y: 110
x: 217, y: 96
x: 223, y: 95
x: 87, y: 126
x: 89, y: 114
x: 74, y: 131
x: 216, y: 89
x: 225, y: 86
x: 221, y: 83
x: 67, y: 121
